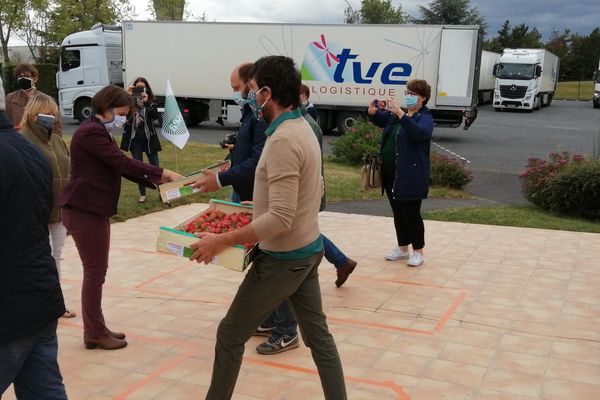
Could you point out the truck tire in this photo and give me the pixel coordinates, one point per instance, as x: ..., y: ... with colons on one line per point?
x: 596, y: 105
x: 550, y: 97
x: 82, y: 109
x: 345, y: 120
x: 497, y: 109
x: 537, y: 103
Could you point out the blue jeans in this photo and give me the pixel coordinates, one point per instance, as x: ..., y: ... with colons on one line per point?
x: 137, y: 152
x: 283, y: 317
x: 235, y: 198
x: 333, y: 254
x: 31, y: 364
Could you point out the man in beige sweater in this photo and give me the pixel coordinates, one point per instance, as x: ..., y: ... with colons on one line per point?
x: 287, y: 195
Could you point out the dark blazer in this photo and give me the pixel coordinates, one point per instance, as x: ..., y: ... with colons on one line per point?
x: 30, y: 295
x: 413, y: 142
x: 246, y: 152
x: 97, y: 166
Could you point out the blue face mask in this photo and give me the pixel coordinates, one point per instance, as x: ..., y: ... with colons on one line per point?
x: 239, y: 99
x: 411, y: 100
x: 257, y: 109
x: 46, y: 121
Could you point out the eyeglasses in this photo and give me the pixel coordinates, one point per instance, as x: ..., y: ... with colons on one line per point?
x: 409, y: 93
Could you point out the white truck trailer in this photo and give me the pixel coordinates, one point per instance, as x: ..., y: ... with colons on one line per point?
x: 525, y: 79
x: 487, y: 80
x: 596, y: 99
x: 345, y: 66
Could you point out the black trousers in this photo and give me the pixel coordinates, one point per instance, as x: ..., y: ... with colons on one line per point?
x: 407, y: 218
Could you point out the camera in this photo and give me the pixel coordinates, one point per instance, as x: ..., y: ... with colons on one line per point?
x: 230, y: 138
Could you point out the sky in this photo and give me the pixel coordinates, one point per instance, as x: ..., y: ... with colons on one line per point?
x: 580, y: 16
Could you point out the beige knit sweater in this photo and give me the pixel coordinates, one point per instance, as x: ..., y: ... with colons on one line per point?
x: 288, y: 188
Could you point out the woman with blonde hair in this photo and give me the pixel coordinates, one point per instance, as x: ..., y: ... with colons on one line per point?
x: 37, y: 125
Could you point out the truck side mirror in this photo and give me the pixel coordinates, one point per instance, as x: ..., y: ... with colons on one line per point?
x: 495, y: 70
x: 538, y: 70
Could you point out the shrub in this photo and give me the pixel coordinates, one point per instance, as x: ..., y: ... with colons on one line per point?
x: 539, y: 173
x: 448, y: 172
x: 362, y: 138
x: 574, y: 191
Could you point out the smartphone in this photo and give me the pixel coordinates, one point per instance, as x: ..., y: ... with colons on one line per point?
x: 379, y: 103
x: 137, y: 92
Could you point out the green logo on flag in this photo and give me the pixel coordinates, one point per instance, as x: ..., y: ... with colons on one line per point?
x: 173, y: 121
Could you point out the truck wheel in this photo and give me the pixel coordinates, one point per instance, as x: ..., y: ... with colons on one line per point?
x: 537, y: 103
x: 550, y: 97
x: 345, y: 120
x: 545, y: 100
x: 497, y: 109
x: 596, y: 105
x: 83, y: 109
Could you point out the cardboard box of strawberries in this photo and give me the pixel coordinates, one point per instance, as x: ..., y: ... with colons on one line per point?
x: 220, y: 217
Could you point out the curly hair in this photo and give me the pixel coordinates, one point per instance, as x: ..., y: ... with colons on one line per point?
x: 279, y: 74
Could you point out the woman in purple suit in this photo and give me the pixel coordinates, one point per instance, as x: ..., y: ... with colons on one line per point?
x: 91, y: 197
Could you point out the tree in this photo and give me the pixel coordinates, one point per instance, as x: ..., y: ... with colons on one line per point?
x: 12, y: 17
x: 513, y: 38
x: 37, y: 21
x: 559, y: 43
x: 69, y: 16
x: 168, y: 10
x: 375, y: 12
x: 451, y: 12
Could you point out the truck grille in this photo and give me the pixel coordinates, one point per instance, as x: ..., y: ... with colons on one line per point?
x: 512, y: 91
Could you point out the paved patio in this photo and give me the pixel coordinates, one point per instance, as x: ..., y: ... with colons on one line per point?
x: 496, y: 313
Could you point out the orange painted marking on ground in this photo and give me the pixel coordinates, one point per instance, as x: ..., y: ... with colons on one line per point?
x: 155, y: 374
x: 377, y: 325
x: 440, y: 324
x: 398, y: 389
x: 157, y: 277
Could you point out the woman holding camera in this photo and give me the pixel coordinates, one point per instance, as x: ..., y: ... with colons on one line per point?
x: 405, y: 174
x: 139, y: 132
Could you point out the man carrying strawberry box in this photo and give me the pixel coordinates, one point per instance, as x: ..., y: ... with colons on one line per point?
x: 285, y: 224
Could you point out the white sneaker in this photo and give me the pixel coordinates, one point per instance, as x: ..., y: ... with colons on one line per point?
x: 397, y: 254
x: 415, y: 259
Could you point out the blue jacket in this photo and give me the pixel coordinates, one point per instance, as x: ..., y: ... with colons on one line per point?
x: 413, y: 140
x: 246, y: 152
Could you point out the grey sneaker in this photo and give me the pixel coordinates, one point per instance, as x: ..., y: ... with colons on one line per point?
x: 278, y: 343
x: 415, y: 259
x: 264, y: 331
x: 397, y: 254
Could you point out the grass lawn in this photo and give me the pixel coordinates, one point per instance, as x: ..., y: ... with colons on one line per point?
x: 342, y: 183
x: 522, y: 216
x: 583, y: 90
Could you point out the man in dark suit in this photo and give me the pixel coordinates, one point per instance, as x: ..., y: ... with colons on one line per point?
x: 31, y: 300
x: 247, y: 149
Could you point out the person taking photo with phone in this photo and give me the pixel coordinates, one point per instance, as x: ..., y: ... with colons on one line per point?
x: 139, y: 132
x: 405, y: 146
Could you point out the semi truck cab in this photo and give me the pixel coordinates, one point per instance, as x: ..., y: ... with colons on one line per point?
x: 525, y: 79
x: 82, y: 74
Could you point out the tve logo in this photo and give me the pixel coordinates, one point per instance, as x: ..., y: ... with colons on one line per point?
x: 324, y: 62
x: 392, y: 73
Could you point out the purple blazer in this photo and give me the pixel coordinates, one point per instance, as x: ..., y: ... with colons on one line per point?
x: 97, y: 165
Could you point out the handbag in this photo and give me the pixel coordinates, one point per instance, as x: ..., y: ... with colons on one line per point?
x: 371, y: 172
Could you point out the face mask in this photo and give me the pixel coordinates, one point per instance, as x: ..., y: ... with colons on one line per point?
x: 257, y: 109
x: 239, y: 99
x: 117, y: 122
x: 25, y: 84
x: 411, y: 100
x: 46, y: 121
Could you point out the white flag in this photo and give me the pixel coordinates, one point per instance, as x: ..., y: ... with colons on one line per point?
x: 173, y: 129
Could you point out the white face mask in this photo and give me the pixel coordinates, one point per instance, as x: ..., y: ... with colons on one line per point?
x: 117, y: 122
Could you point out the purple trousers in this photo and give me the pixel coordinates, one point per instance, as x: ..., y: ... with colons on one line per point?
x: 91, y: 233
